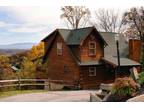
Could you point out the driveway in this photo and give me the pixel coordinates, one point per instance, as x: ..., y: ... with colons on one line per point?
x: 52, y: 96
x: 139, y: 98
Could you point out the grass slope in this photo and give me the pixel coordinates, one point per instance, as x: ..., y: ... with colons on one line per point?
x: 12, y: 93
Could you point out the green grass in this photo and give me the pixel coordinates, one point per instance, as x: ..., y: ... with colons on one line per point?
x: 12, y: 93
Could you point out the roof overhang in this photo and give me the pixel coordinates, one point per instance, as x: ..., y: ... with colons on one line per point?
x: 89, y: 63
x: 123, y: 61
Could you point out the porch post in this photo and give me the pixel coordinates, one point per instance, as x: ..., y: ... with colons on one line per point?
x: 118, y: 55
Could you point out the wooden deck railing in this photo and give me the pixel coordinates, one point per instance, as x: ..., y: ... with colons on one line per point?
x: 31, y: 82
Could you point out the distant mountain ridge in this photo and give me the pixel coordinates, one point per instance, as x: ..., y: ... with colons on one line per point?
x: 18, y: 46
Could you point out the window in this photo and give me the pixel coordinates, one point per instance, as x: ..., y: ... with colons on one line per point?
x: 66, y: 69
x: 92, y: 48
x: 92, y: 71
x: 59, y: 48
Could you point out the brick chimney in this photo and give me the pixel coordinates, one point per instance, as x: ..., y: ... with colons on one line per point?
x: 135, y: 49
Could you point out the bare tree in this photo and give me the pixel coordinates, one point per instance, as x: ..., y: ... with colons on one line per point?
x: 76, y: 16
x: 134, y: 20
x: 107, y: 20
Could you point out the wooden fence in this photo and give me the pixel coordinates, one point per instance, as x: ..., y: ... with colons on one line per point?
x: 32, y: 82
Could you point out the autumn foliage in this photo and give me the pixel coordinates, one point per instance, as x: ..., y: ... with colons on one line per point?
x: 36, y: 51
x: 5, y: 69
x: 124, y: 86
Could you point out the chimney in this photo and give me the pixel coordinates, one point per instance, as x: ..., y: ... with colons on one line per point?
x: 135, y: 49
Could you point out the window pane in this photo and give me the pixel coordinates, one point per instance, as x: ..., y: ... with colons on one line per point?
x: 92, y: 48
x: 92, y: 71
x: 59, y: 48
x: 92, y: 51
x: 59, y: 45
x: 92, y: 45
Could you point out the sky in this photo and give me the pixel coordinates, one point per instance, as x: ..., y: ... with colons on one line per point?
x: 32, y: 20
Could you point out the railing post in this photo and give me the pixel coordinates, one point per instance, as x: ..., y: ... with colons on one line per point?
x: 49, y: 85
x: 19, y: 83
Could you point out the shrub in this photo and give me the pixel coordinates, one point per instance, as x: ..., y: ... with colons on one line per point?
x: 141, y: 78
x: 124, y: 86
x: 28, y: 69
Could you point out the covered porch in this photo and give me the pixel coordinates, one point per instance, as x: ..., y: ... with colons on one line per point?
x: 125, y: 65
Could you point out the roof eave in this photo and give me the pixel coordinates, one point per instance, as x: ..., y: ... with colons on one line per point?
x: 43, y: 40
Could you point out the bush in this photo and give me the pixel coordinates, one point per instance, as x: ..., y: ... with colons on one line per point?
x: 141, y: 78
x: 28, y: 69
x: 124, y: 86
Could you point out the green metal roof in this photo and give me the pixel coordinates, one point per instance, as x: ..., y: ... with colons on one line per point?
x: 77, y: 35
x: 123, y: 61
x: 110, y: 49
x: 65, y: 33
x: 74, y: 37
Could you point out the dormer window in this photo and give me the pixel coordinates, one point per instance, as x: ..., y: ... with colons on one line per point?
x: 92, y: 48
x: 59, y: 48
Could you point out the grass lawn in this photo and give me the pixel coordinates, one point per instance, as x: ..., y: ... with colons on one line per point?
x: 12, y: 93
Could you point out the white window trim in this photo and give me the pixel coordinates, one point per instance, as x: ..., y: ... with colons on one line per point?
x: 90, y: 71
x: 92, y: 42
x: 59, y: 50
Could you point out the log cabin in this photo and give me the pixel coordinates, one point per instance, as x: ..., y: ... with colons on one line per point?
x: 85, y: 57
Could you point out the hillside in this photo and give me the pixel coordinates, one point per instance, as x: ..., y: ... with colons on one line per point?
x: 11, y: 51
x: 18, y: 46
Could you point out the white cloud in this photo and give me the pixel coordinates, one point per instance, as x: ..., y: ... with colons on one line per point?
x: 28, y: 28
x: 37, y: 14
x: 3, y: 24
x: 39, y: 18
x: 34, y: 19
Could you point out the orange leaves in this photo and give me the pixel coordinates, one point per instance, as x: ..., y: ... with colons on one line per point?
x: 36, y: 51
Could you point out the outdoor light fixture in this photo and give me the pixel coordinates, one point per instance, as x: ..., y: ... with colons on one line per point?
x: 118, y: 55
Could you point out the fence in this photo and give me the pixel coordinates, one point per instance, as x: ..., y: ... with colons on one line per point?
x: 32, y: 82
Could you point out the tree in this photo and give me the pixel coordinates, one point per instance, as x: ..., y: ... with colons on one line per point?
x: 107, y: 20
x: 134, y: 20
x: 28, y: 69
x: 6, y: 72
x: 76, y: 16
x: 36, y: 51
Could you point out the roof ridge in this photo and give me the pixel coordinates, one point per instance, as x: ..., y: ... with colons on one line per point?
x: 64, y: 29
x: 75, y: 29
x: 84, y: 28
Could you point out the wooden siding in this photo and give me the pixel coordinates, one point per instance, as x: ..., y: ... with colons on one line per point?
x: 84, y: 50
x: 56, y: 63
x: 48, y: 42
x: 102, y: 76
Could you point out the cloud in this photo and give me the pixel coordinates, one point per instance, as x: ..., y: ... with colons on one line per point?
x: 33, y: 19
x: 29, y: 28
x: 2, y: 24
x: 32, y: 23
x: 38, y: 15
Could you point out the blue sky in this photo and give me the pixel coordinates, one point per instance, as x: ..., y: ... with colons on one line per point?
x: 25, y: 24
x: 19, y: 24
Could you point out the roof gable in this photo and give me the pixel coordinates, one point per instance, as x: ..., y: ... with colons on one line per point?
x: 78, y: 35
x: 64, y: 33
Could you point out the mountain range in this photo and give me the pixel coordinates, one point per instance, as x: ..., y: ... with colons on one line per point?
x: 18, y: 46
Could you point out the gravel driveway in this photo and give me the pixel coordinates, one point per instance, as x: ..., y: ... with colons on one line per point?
x: 51, y: 96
